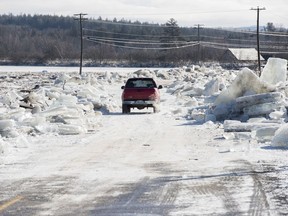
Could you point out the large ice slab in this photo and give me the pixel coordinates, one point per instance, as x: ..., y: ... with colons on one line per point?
x: 237, y: 126
x: 265, y: 134
x: 262, y: 109
x: 275, y: 71
x: 251, y: 100
x: 246, y: 83
x: 251, y: 105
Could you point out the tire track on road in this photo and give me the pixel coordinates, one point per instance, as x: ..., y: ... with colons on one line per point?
x: 9, y: 203
x: 259, y: 204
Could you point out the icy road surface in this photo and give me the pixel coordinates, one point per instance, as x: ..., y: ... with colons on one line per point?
x: 138, y: 164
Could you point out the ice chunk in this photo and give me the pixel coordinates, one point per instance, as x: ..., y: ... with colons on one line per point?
x: 229, y: 136
x: 89, y: 92
x: 280, y: 139
x: 36, y: 109
x: 46, y: 128
x: 8, y: 123
x: 71, y: 129
x: 64, y: 77
x: 262, y: 109
x: 223, y: 111
x: 264, y: 134
x: 66, y: 100
x: 246, y: 83
x: 256, y: 119
x: 245, y: 101
x: 237, y: 126
x: 192, y: 90
x: 275, y: 71
x: 7, y: 128
x: 242, y: 135
x: 33, y: 98
x: 198, y: 115
x: 162, y: 74
x: 34, y: 121
x: 55, y: 111
x: 210, y: 117
x: 144, y: 73
x: 11, y: 99
x: 9, y: 133
x: 192, y: 103
x: 278, y: 114
x: 177, y: 111
x: 52, y: 94
x: 2, y: 147
x: 16, y: 114
x: 211, y: 87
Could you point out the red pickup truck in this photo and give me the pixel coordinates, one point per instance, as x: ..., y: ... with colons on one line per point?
x: 140, y: 93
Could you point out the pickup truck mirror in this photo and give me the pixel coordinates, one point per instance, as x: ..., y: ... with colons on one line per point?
x: 160, y: 87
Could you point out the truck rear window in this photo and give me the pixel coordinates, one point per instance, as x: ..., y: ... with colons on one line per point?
x: 140, y: 84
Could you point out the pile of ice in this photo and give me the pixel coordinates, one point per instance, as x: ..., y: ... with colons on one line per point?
x: 53, y: 103
x: 66, y: 103
x: 258, y: 105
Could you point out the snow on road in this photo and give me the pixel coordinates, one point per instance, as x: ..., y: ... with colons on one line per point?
x: 168, y: 163
x: 164, y: 167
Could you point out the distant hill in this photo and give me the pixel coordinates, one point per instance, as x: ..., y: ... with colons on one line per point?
x: 46, y: 39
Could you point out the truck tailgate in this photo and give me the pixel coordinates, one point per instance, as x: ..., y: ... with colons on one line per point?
x: 138, y: 93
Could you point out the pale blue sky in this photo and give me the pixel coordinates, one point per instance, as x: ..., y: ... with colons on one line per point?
x: 211, y: 13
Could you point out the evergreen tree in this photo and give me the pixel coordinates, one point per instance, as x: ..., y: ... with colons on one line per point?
x: 171, y: 34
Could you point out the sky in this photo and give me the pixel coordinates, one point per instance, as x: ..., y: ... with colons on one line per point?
x: 187, y: 13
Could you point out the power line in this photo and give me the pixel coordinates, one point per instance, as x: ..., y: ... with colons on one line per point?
x: 153, y: 42
x: 121, y: 40
x: 143, y: 48
x: 131, y: 41
x: 227, y: 45
x: 189, y: 36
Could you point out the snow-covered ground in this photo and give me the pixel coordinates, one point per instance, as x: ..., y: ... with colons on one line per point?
x: 217, y: 147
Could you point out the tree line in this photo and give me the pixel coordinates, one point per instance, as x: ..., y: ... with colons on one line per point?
x: 45, y: 39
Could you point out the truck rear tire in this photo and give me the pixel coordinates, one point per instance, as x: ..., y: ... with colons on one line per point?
x: 125, y: 109
x: 156, y: 109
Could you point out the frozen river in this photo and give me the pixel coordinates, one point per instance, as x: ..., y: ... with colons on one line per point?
x: 70, y: 69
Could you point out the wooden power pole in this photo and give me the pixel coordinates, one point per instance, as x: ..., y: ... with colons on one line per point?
x: 81, y: 18
x: 198, y: 35
x: 258, y: 40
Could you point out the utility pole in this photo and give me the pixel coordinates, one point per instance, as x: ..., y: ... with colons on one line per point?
x: 258, y: 41
x: 81, y: 18
x: 198, y: 35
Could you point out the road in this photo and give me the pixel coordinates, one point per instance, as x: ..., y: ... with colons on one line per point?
x: 137, y: 164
